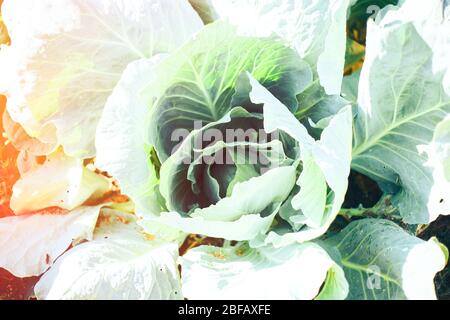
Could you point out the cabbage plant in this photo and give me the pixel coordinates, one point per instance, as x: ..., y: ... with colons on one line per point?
x: 259, y: 155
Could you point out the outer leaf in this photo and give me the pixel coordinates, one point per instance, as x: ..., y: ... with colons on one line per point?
x: 67, y: 56
x: 316, y: 29
x: 401, y: 100
x: 293, y: 272
x: 60, y: 182
x: 120, y: 263
x: 432, y: 21
x: 245, y: 228
x: 29, y: 245
x: 331, y: 157
x: 382, y: 261
x: 438, y: 152
x: 122, y: 141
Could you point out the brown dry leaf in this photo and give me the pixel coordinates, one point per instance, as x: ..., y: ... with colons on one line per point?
x: 355, y: 54
x: 194, y: 240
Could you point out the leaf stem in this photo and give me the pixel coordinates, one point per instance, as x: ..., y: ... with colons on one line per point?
x: 383, y: 209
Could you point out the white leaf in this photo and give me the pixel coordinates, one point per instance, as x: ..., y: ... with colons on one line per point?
x: 121, y: 263
x: 67, y: 55
x: 60, y: 182
x: 30, y: 244
x: 438, y: 152
x: 294, y: 272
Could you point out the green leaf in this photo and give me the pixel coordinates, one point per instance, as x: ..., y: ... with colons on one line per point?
x: 316, y: 107
x: 312, y: 198
x: 350, y: 86
x: 328, y: 159
x: 121, y: 263
x: 383, y: 262
x: 198, y: 82
x: 316, y: 29
x: 301, y: 272
x: 401, y: 100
